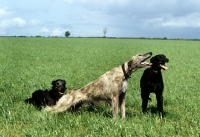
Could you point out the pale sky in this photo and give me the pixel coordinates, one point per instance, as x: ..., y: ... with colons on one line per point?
x: 122, y: 18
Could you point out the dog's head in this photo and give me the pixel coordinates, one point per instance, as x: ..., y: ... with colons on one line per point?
x: 158, y: 62
x: 138, y: 61
x: 59, y: 86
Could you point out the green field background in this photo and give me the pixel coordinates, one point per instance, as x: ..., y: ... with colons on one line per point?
x: 28, y: 64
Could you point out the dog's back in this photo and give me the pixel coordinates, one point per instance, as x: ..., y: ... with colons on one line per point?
x: 39, y: 98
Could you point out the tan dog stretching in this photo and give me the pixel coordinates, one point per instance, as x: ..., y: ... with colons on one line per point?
x: 111, y: 86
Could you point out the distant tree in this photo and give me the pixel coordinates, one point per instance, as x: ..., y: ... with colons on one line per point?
x: 67, y: 34
x: 104, y: 32
x: 37, y: 36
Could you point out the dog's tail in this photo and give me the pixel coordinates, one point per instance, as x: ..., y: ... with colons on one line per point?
x: 67, y: 101
x: 28, y: 100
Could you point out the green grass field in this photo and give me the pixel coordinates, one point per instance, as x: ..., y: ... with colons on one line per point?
x: 28, y: 64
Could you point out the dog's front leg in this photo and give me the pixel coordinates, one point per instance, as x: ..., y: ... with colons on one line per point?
x: 115, y: 102
x: 145, y: 98
x: 122, y: 104
x: 159, y: 98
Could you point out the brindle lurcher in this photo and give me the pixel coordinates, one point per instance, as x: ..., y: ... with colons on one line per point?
x: 111, y: 86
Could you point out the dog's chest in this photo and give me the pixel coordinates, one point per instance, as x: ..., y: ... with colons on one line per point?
x: 124, y: 86
x: 155, y: 76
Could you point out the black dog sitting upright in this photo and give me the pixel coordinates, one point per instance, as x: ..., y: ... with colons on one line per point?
x: 152, y: 82
x: 48, y: 98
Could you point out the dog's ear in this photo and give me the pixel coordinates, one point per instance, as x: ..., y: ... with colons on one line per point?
x: 53, y: 82
x: 163, y: 57
x: 157, y: 58
x: 152, y: 60
x: 166, y: 60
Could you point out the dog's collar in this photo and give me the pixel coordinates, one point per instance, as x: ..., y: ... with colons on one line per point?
x: 154, y: 71
x: 126, y: 74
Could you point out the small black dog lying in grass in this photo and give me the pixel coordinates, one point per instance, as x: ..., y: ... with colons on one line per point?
x: 48, y: 98
x: 152, y: 82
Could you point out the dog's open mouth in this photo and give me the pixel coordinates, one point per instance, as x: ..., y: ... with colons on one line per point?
x: 150, y: 64
x: 163, y: 67
x: 61, y: 93
x: 143, y: 62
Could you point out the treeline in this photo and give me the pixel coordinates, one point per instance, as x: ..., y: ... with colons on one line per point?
x: 32, y: 36
x: 147, y: 38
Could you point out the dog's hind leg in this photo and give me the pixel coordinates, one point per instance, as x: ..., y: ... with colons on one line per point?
x: 122, y: 104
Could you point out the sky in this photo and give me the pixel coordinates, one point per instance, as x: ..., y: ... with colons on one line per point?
x: 89, y: 18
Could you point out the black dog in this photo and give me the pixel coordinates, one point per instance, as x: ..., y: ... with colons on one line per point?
x: 48, y: 98
x: 151, y: 81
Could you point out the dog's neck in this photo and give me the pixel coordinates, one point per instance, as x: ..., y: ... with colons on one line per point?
x: 154, y: 70
x: 127, y: 73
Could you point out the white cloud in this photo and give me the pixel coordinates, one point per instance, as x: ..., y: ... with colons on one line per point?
x: 96, y: 1
x: 68, y: 1
x: 19, y: 22
x: 46, y: 30
x: 8, y: 20
x: 153, y: 22
x: 89, y: 17
x: 35, y: 22
x: 191, y: 20
x: 57, y: 32
x: 53, y: 32
x: 99, y: 4
x: 5, y: 12
x: 12, y: 22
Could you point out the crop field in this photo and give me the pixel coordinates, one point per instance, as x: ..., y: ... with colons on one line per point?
x: 28, y: 64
